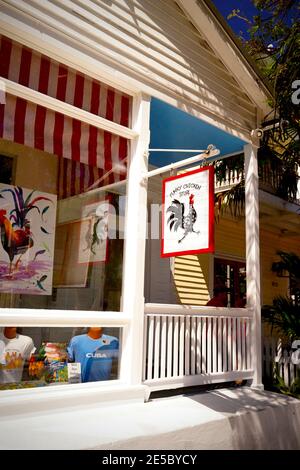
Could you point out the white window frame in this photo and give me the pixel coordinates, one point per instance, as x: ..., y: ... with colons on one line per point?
x: 130, y: 317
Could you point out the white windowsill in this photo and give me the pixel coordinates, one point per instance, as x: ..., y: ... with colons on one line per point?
x: 75, y: 396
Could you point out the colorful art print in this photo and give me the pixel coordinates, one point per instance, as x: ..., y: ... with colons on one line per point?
x: 27, y: 228
x: 188, y: 213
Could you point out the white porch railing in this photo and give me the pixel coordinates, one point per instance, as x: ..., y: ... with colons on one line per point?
x: 185, y: 346
x: 269, y: 180
x: 231, y: 178
x: 278, y: 358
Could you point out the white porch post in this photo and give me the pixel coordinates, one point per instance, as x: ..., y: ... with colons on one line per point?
x: 135, y: 242
x: 253, y: 258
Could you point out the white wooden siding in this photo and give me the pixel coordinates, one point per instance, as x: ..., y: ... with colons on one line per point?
x: 153, y: 43
x: 159, y: 281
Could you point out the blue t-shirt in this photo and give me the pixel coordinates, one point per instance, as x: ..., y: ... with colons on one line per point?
x: 95, y: 356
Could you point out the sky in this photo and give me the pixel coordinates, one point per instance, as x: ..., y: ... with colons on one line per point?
x: 245, y: 6
x: 248, y: 10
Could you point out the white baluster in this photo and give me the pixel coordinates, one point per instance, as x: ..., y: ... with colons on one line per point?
x: 214, y: 344
x: 234, y: 356
x: 193, y: 346
x: 150, y: 348
x: 219, y: 324
x: 175, y: 346
x: 187, y: 346
x: 209, y: 345
x: 157, y: 347
x: 181, y: 347
x: 239, y: 344
x: 229, y: 343
x: 198, y: 357
x: 203, y: 345
x: 243, y: 344
x: 225, y: 345
x: 163, y: 347
x: 169, y: 351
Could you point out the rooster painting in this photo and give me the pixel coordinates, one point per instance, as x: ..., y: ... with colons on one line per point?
x: 24, y: 214
x: 178, y: 219
x: 14, y: 241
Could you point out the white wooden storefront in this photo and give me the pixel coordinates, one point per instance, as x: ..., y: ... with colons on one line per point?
x: 137, y: 48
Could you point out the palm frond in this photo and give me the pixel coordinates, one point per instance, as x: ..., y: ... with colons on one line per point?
x: 289, y: 262
x: 232, y: 199
x: 284, y: 316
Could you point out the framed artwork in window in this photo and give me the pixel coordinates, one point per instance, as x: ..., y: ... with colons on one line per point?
x: 27, y: 227
x: 71, y: 260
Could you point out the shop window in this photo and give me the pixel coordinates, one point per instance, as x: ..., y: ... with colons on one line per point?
x: 61, y: 242
x: 38, y: 357
x: 62, y: 216
x: 231, y: 275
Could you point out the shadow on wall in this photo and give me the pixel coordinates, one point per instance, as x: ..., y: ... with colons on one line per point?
x: 191, y: 279
x: 202, y: 67
x: 179, y: 280
x: 160, y: 44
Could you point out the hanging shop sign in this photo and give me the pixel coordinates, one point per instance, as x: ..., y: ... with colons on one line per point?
x: 188, y: 213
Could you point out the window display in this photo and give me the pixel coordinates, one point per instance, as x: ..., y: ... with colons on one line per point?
x: 38, y: 357
x: 95, y: 351
x: 16, y: 349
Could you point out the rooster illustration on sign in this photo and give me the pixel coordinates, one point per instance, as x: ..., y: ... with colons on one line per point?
x: 178, y: 219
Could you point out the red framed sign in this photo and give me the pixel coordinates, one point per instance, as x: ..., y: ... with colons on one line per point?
x: 188, y: 213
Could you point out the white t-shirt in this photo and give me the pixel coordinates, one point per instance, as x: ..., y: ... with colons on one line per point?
x: 16, y: 351
x: 2, y: 352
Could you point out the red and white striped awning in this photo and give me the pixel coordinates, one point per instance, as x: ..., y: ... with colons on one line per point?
x: 30, y: 124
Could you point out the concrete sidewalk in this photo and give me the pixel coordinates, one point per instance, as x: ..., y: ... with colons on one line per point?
x: 238, y: 418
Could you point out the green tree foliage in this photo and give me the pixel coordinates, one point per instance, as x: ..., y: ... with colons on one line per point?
x: 284, y: 314
x: 274, y: 43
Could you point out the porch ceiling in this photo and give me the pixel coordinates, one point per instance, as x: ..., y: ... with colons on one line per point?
x: 175, y: 129
x: 279, y: 216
